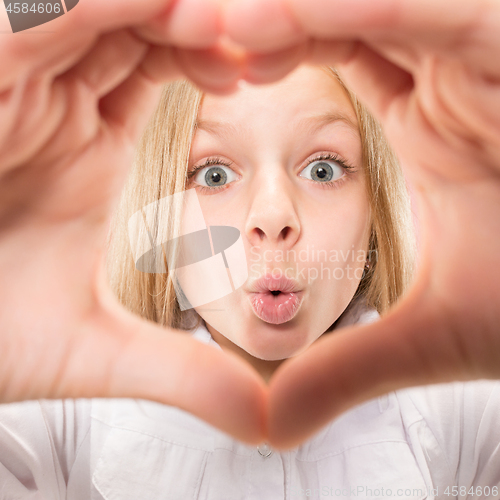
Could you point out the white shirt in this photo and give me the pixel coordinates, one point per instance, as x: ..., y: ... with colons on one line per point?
x: 415, y: 443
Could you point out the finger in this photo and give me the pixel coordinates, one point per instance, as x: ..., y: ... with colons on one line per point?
x: 409, y: 347
x: 116, y: 354
x: 104, y: 62
x: 75, y: 33
x: 215, y: 70
x: 268, y: 68
x: 347, y: 19
x: 175, y: 369
x: 262, y: 26
x: 375, y: 79
x: 22, y: 134
x: 190, y: 24
x: 440, y: 100
x: 162, y: 366
x: 272, y: 66
x: 442, y: 21
x: 442, y: 329
x: 128, y: 107
x: 117, y: 60
x: 110, y: 61
x: 130, y: 104
x: 72, y: 35
x: 468, y: 31
x: 382, y: 85
x: 68, y: 106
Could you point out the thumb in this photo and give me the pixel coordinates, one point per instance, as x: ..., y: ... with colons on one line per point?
x: 412, y: 345
x: 114, y: 353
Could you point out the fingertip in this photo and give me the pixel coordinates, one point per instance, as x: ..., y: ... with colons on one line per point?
x: 262, y: 25
x: 213, y: 70
x: 172, y: 368
x: 296, y: 408
x: 227, y: 392
x: 335, y: 374
x: 269, y: 68
x: 190, y: 24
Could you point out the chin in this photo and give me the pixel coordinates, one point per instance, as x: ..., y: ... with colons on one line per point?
x: 275, y: 342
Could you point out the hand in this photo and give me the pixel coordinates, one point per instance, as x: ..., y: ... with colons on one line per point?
x: 429, y: 72
x: 73, y: 103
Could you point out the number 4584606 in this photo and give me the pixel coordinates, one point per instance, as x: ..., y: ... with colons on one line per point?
x: 41, y: 8
x: 472, y: 491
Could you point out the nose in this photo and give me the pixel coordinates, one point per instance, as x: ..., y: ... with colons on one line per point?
x: 273, y: 219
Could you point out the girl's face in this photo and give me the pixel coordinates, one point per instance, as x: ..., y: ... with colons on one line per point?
x: 284, y: 166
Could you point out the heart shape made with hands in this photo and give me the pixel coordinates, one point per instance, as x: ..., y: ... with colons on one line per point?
x: 75, y: 100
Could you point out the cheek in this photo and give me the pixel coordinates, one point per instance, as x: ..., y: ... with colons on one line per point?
x: 222, y: 210
x: 340, y: 223
x: 337, y: 242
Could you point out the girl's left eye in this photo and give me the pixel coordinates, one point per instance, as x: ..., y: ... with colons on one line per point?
x: 323, y: 171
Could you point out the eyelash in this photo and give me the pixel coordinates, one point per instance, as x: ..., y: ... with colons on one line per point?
x: 349, y: 169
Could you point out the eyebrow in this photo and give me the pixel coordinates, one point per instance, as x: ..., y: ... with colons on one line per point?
x: 312, y: 123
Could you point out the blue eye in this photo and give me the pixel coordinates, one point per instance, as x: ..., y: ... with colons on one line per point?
x: 323, y: 171
x: 215, y: 176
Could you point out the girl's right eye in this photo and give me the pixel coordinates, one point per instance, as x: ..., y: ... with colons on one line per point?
x: 213, y: 176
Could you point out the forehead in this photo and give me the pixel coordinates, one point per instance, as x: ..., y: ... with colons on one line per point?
x: 306, y: 91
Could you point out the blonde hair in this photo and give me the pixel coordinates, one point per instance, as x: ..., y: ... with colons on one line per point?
x: 160, y: 168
